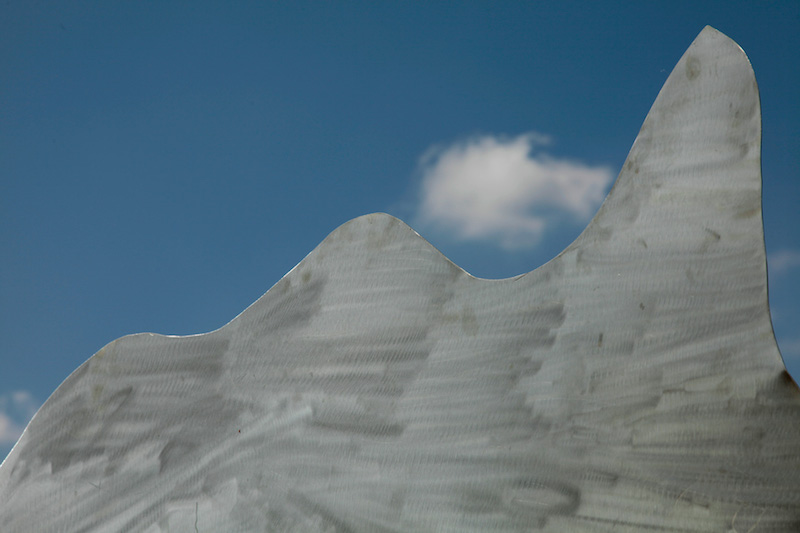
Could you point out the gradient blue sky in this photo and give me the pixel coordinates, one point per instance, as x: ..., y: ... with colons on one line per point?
x: 165, y: 163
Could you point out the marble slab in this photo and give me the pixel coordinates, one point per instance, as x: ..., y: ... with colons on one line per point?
x: 632, y: 383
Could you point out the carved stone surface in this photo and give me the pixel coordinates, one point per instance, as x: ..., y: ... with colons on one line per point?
x: 632, y: 383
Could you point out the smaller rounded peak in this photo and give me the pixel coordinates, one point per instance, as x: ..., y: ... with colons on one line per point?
x: 372, y: 223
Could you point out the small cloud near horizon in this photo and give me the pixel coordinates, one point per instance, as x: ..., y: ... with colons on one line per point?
x: 16, y: 410
x: 782, y: 261
x: 790, y: 348
x: 506, y: 189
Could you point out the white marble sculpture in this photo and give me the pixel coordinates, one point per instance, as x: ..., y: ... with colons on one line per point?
x: 633, y: 383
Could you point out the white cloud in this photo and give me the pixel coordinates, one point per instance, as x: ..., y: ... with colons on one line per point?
x: 505, y: 189
x: 16, y: 410
x: 783, y: 261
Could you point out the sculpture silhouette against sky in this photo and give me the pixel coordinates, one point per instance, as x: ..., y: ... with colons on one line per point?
x: 631, y: 383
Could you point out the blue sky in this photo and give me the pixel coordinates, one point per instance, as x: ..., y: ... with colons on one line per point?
x: 165, y: 163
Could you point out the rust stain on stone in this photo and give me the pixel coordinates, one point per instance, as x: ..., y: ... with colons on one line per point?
x: 787, y: 378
